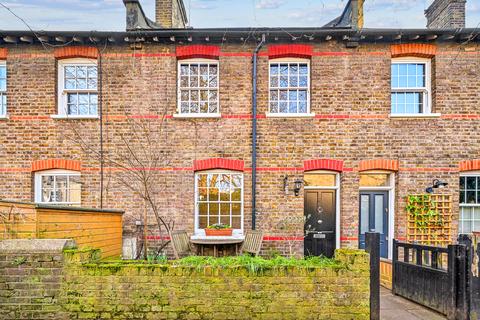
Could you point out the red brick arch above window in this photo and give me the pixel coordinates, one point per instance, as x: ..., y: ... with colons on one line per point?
x: 469, y: 165
x: 378, y: 164
x: 420, y: 50
x: 218, y: 163
x: 198, y: 51
x: 40, y: 165
x: 290, y: 51
x: 3, y: 53
x: 323, y: 164
x: 76, y: 52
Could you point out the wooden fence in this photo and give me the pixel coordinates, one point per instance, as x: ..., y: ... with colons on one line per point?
x: 435, y: 277
x: 94, y: 228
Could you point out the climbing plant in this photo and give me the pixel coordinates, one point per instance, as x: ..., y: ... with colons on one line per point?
x: 429, y: 218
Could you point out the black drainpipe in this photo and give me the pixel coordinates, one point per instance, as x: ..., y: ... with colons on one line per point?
x: 254, y: 133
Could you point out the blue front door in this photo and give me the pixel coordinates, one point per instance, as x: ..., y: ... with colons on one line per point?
x: 374, y: 218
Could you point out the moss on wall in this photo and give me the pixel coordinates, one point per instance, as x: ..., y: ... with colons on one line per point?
x: 232, y: 288
x: 75, y: 284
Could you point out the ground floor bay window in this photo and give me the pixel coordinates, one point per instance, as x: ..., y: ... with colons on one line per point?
x: 469, y: 203
x: 218, y: 199
x: 60, y: 187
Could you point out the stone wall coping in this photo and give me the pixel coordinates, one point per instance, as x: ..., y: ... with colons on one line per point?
x: 36, y: 245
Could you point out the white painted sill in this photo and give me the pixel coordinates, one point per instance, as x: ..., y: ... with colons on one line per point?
x: 289, y: 115
x: 4, y: 117
x: 197, y: 115
x: 65, y: 117
x: 415, y: 116
x: 204, y: 237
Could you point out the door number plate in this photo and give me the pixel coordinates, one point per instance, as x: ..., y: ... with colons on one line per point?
x: 319, y: 236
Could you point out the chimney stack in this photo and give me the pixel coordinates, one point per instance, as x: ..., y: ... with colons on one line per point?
x: 446, y: 14
x: 171, y: 14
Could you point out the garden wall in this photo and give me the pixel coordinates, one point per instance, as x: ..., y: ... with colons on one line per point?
x: 68, y: 284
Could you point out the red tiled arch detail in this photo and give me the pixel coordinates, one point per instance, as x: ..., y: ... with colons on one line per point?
x: 40, y: 165
x: 469, y: 165
x: 323, y: 164
x: 198, y: 51
x: 378, y: 164
x: 413, y: 50
x: 3, y: 53
x: 290, y: 51
x: 218, y: 163
x: 76, y: 52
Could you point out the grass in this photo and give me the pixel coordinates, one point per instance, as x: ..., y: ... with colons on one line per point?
x: 255, y: 264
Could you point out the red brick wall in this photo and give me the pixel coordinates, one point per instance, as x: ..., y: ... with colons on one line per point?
x: 350, y: 94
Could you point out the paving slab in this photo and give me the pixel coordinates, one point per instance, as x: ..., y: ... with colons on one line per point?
x: 397, y: 308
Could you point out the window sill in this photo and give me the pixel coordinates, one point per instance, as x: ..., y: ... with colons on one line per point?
x: 197, y: 115
x: 4, y: 117
x: 204, y: 237
x: 289, y: 115
x: 415, y: 116
x: 65, y: 117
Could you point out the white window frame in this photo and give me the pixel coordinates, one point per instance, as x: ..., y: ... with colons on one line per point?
x: 308, y: 113
x: 200, y: 233
x: 427, y: 92
x: 62, y: 93
x: 467, y: 205
x: 53, y: 172
x: 179, y: 113
x: 336, y: 187
x: 3, y: 113
x: 391, y: 204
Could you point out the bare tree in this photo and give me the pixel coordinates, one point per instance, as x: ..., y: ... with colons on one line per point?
x: 134, y: 159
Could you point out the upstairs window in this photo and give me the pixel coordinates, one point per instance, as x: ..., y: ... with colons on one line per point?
x: 289, y: 87
x: 61, y: 187
x: 198, y: 87
x: 411, y: 88
x: 3, y: 89
x: 469, y: 203
x: 78, y: 88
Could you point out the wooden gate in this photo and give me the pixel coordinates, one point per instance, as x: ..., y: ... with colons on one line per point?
x: 435, y: 277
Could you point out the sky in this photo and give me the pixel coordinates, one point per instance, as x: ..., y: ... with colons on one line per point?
x: 110, y: 14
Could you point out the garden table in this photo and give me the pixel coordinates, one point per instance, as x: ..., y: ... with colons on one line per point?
x: 202, y: 241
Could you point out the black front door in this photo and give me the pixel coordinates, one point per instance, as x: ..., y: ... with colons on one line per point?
x: 374, y: 218
x: 319, y: 223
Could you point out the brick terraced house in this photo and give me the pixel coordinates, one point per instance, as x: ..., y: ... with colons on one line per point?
x: 313, y: 135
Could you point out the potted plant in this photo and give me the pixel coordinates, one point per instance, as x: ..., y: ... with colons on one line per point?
x: 219, y: 229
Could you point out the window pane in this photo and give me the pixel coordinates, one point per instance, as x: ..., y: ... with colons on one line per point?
x: 364, y: 213
x: 203, y: 222
x: 462, y: 183
x: 320, y: 180
x: 225, y: 209
x: 203, y: 208
x: 471, y: 197
x: 236, y: 222
x: 374, y: 180
x: 471, y: 183
x: 213, y: 194
x: 379, y: 214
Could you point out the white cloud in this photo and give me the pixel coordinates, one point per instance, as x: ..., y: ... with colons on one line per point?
x: 269, y: 4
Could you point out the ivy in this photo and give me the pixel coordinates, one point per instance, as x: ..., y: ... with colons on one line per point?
x: 423, y: 211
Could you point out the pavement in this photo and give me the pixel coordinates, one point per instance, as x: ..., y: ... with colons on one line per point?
x: 397, y: 308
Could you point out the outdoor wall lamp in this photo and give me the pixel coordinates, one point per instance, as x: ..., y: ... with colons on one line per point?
x: 437, y: 184
x: 298, y: 187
